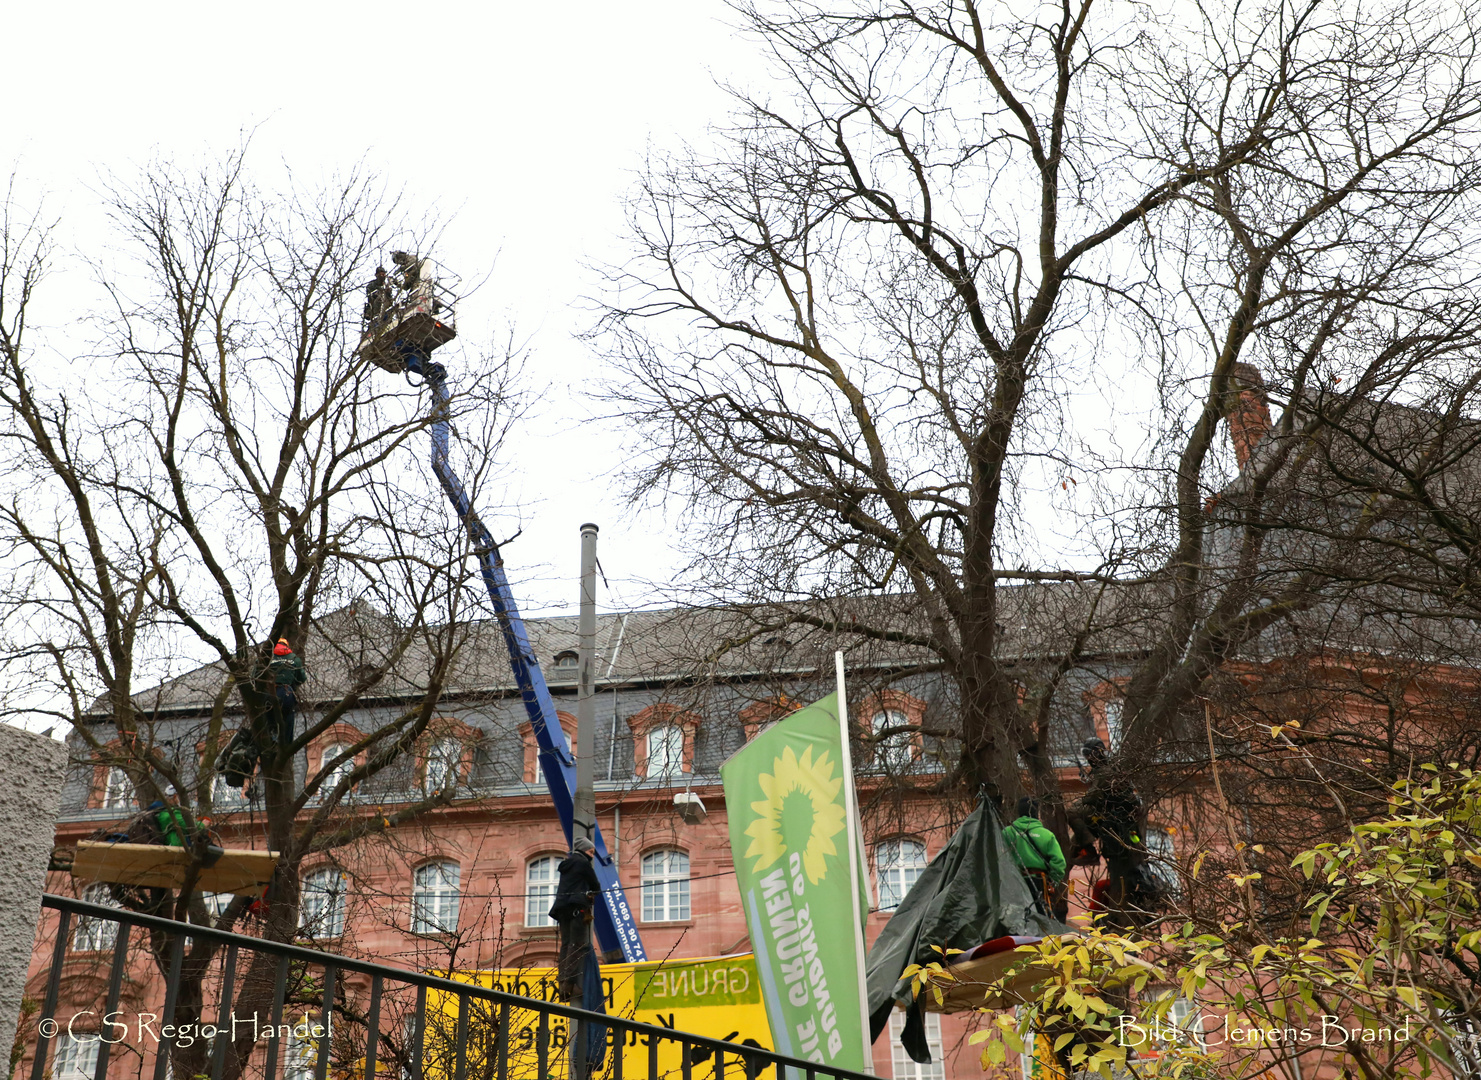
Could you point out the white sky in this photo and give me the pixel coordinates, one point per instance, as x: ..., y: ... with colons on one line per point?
x: 523, y: 123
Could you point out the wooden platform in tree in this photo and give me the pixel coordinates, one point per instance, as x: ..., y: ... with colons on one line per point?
x: 157, y: 866
x: 972, y: 979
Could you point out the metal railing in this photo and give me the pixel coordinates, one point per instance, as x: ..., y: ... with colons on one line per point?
x: 359, y: 1020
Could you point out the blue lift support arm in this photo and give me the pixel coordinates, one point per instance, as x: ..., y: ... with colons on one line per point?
x: 613, y: 917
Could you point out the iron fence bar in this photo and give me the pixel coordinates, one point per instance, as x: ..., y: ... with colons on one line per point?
x: 224, y: 1013
x: 652, y: 1057
x: 719, y: 1065
x: 618, y: 1041
x: 372, y: 1027
x: 501, y: 1043
x: 419, y: 1044
x: 115, y: 984
x: 460, y: 1059
x: 53, y: 984
x: 326, y: 1014
x: 686, y: 1062
x: 280, y: 989
x: 423, y: 982
x: 542, y: 1046
x: 166, y: 1045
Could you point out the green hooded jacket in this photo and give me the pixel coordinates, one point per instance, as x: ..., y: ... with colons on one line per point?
x: 1034, y: 847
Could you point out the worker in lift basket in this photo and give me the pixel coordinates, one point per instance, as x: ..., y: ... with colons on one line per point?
x: 575, y: 891
x: 377, y: 298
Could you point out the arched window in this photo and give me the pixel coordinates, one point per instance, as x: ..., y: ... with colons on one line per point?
x: 94, y: 935
x: 321, y: 904
x: 340, y: 771
x: 444, y: 762
x: 434, y: 898
x: 665, y: 751
x: 897, y: 866
x: 894, y: 751
x: 77, y: 1056
x: 118, y: 789
x: 567, y: 660
x: 665, y: 886
x: 540, y: 882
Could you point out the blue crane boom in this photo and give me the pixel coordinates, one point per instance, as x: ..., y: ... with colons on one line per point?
x: 401, y: 338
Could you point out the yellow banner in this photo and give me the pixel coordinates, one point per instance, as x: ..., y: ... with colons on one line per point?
x: 717, y: 997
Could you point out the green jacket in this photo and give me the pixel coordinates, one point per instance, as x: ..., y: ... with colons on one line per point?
x: 1034, y: 847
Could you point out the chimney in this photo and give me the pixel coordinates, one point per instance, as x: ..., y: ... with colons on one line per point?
x: 1249, y: 420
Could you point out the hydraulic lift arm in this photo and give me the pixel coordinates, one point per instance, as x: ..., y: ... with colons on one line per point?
x: 615, y: 927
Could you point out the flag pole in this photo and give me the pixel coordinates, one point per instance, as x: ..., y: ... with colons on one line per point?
x: 851, y: 817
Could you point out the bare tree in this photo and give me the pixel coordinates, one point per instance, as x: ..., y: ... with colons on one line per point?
x: 861, y: 340
x: 220, y: 470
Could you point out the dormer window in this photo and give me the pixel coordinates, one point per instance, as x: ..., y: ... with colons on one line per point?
x: 663, y: 741
x: 567, y: 660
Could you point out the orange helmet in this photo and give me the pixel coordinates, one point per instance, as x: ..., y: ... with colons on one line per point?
x: 282, y: 648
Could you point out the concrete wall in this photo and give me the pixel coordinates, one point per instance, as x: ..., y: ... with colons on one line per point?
x: 32, y: 768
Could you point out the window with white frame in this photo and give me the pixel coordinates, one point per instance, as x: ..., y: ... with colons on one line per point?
x: 302, y: 1055
x: 331, y: 754
x: 1465, y: 1047
x: 1113, y: 725
x: 444, y: 761
x: 94, y: 935
x: 904, y: 1068
x: 434, y: 898
x: 897, y: 866
x: 540, y: 882
x: 893, y: 751
x: 409, y: 1038
x: 665, y: 751
x: 118, y: 789
x: 665, y: 886
x: 321, y: 904
x: 224, y: 796
x: 1162, y: 863
x: 77, y: 1057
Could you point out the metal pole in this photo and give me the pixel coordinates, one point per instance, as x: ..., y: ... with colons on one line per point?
x: 584, y: 805
x: 586, y: 725
x: 855, y: 857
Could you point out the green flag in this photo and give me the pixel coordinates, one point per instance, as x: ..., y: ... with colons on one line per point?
x: 790, y: 835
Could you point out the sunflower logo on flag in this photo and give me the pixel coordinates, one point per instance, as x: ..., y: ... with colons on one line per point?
x: 801, y: 810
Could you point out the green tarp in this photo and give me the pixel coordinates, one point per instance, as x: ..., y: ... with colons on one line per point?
x: 970, y: 893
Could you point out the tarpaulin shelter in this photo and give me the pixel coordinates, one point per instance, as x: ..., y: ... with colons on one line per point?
x: 972, y: 892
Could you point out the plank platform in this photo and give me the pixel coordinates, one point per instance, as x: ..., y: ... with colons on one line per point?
x: 161, y: 867
x: 973, y: 977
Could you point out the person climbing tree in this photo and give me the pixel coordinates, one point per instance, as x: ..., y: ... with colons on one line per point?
x: 287, y: 672
x: 575, y: 890
x: 1037, y: 854
x: 1110, y: 814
